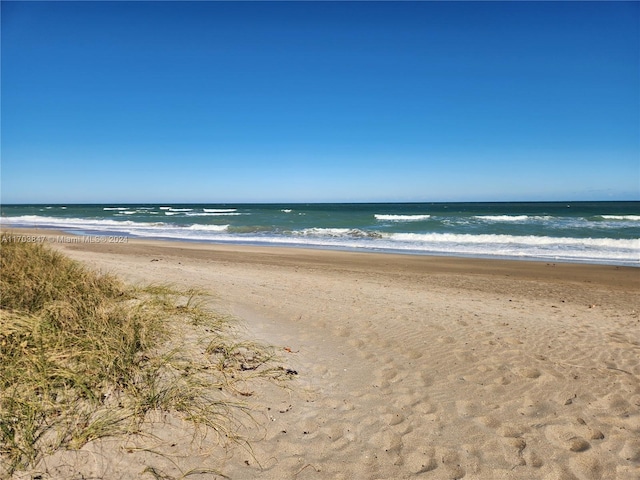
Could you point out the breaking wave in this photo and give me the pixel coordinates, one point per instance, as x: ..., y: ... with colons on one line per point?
x: 401, y: 218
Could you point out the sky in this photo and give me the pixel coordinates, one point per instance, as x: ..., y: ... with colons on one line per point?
x: 232, y: 102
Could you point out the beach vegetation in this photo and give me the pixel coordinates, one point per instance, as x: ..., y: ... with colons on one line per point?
x: 84, y: 356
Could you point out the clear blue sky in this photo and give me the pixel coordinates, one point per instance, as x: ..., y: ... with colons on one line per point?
x: 319, y: 101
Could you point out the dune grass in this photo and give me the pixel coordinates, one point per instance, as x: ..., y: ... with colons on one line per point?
x: 84, y: 356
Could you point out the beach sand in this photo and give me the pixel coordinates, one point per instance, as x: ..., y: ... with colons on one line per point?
x: 408, y: 366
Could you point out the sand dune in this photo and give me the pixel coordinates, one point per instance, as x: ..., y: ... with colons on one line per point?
x: 408, y: 367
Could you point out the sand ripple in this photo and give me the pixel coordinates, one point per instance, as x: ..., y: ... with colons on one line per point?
x: 416, y: 373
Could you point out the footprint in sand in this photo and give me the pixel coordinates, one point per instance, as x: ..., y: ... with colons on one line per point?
x: 511, y: 431
x: 427, y: 379
x: 513, y: 448
x: 423, y: 407
x: 466, y: 357
x: 631, y: 451
x: 613, y: 404
x: 489, y: 421
x: 341, y: 331
x: 586, y: 466
x: 391, y: 418
x: 450, y: 460
x: 446, y: 339
x: 528, y: 372
x: 388, y: 374
x: 532, y: 459
x: 566, y: 437
x: 387, y: 440
x: 535, y: 408
x: 467, y: 408
x: 356, y: 342
x: 421, y: 460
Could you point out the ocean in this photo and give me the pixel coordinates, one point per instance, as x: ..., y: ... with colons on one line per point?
x: 586, y: 232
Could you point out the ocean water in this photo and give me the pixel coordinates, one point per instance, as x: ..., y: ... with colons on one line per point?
x: 587, y: 232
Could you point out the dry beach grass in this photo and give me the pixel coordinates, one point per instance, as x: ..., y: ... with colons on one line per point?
x: 409, y: 367
x: 84, y: 357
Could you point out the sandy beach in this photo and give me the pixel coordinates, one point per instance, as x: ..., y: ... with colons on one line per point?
x: 408, y: 366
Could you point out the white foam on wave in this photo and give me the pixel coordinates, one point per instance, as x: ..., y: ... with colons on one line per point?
x: 625, y: 251
x: 401, y: 218
x: 70, y: 222
x: 114, y: 208
x: 180, y: 209
x: 337, y: 233
x: 329, y: 232
x: 630, y: 218
x: 212, y: 214
x: 208, y: 228
x: 167, y: 212
x: 142, y: 229
x: 512, y: 218
x: 286, y: 210
x: 219, y: 210
x: 533, y: 240
x: 165, y: 208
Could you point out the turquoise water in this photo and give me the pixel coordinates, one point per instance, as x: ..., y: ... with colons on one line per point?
x: 589, y: 232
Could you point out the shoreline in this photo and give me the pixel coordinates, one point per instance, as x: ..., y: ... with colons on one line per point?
x: 55, y: 235
x: 408, y: 365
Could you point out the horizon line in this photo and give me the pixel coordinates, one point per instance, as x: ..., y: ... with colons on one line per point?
x: 310, y: 203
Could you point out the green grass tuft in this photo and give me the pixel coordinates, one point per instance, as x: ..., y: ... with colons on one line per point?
x: 83, y: 356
